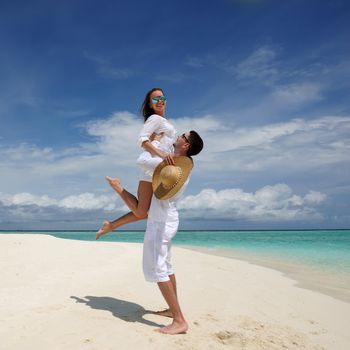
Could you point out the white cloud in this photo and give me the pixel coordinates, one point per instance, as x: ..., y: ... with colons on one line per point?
x: 112, y: 150
x: 296, y: 94
x: 259, y: 65
x: 203, y: 124
x: 26, y: 199
x: 231, y: 151
x: 297, y: 145
x: 87, y: 201
x: 272, y: 84
x: 73, y: 178
x: 116, y: 135
x: 314, y: 198
x: 270, y: 203
x: 283, y: 99
x: 26, y: 152
x: 83, y: 201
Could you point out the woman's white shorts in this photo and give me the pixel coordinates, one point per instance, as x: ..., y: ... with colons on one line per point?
x: 156, y: 250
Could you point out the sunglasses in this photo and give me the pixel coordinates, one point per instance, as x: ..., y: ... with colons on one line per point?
x: 185, y: 138
x: 158, y: 98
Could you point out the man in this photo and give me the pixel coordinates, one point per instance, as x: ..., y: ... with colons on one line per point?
x: 169, y: 183
x: 162, y: 225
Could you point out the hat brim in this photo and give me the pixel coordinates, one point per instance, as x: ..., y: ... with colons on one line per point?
x: 186, y: 165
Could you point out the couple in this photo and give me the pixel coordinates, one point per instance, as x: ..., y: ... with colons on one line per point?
x: 165, y: 165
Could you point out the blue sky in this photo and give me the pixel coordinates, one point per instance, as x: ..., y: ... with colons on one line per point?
x: 266, y: 83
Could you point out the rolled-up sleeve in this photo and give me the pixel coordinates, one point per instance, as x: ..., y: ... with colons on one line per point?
x: 152, y: 124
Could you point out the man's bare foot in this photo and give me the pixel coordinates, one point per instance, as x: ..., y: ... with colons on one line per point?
x: 166, y: 313
x: 115, y: 184
x: 106, y: 227
x: 174, y: 328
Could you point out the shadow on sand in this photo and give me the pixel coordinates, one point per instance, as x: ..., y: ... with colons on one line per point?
x: 125, y: 310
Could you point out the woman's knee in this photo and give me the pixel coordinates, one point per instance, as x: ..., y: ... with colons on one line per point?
x: 141, y: 214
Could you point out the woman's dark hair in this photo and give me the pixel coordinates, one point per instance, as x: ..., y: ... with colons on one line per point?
x: 196, y: 143
x: 146, y: 110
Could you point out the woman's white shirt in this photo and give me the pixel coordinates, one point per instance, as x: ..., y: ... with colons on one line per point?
x: 158, y: 125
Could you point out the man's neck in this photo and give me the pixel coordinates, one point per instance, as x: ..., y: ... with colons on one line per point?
x: 179, y: 152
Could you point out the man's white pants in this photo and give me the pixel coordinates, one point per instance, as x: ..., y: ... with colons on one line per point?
x: 156, y: 250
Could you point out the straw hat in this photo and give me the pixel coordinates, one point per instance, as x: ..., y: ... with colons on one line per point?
x: 168, y: 179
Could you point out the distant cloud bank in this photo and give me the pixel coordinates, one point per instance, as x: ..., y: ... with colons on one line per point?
x: 269, y: 203
x: 70, y: 182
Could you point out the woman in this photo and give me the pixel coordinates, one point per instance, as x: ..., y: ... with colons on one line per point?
x: 156, y: 138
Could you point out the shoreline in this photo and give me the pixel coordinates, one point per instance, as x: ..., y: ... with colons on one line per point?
x: 332, y: 283
x: 335, y: 286
x: 59, y: 293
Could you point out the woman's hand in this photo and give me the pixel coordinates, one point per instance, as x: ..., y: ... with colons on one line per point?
x: 156, y: 137
x: 169, y: 159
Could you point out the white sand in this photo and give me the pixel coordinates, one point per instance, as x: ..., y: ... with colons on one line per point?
x: 62, y: 294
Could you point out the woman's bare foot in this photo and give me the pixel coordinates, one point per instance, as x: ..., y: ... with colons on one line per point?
x: 115, y: 184
x: 166, y: 313
x: 106, y: 227
x: 174, y: 328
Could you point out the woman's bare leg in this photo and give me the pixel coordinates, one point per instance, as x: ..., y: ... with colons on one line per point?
x: 138, y: 206
x: 109, y: 226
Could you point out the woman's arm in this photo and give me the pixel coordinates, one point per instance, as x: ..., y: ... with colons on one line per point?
x: 147, y: 145
x: 168, y: 157
x: 152, y: 125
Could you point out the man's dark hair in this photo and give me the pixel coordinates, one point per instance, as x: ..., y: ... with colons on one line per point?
x: 196, y: 143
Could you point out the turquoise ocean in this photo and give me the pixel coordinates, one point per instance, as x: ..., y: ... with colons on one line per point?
x: 315, y: 259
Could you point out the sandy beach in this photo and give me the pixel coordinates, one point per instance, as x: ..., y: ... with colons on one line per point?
x: 65, y: 294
